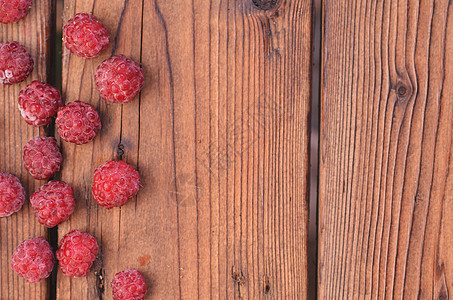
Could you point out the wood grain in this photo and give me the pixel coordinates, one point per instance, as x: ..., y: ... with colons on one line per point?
x: 386, y: 184
x: 220, y: 136
x: 34, y: 33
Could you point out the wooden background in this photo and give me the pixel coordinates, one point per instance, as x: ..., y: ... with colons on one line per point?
x: 34, y: 33
x: 386, y: 168
x: 219, y: 134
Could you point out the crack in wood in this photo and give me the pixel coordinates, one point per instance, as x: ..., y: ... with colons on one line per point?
x: 100, y: 275
x: 238, y: 279
x: 118, y: 29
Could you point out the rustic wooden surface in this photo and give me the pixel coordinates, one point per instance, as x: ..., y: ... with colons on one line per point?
x: 386, y: 168
x: 32, y: 32
x: 220, y: 138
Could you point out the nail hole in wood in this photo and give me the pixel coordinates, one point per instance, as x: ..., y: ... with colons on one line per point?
x: 267, y: 289
x: 120, y: 150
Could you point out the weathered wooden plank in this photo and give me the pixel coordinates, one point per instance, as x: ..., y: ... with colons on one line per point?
x: 81, y: 161
x: 34, y: 33
x: 220, y: 138
x: 386, y: 148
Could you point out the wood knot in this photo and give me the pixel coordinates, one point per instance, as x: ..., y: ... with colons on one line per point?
x: 266, y: 4
x: 238, y: 276
x: 403, y: 90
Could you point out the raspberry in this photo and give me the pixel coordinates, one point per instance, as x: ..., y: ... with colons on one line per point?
x: 12, y: 194
x: 39, y: 103
x: 76, y: 253
x: 15, y: 63
x: 78, y: 122
x: 119, y: 79
x: 85, y: 36
x: 33, y: 259
x: 53, y: 203
x: 13, y: 10
x: 42, y: 157
x: 115, y: 182
x: 128, y: 285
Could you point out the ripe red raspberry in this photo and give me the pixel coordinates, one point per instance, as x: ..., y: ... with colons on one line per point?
x: 12, y: 194
x: 128, y: 285
x: 119, y: 79
x: 78, y: 122
x: 85, y: 36
x: 39, y: 103
x: 42, y: 157
x: 53, y: 203
x: 76, y: 253
x: 15, y: 63
x: 115, y: 182
x: 33, y: 259
x: 13, y: 10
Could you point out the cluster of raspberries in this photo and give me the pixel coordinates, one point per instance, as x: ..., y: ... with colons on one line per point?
x: 119, y: 79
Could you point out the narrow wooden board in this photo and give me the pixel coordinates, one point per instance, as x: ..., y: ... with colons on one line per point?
x: 220, y: 136
x: 386, y: 168
x: 34, y: 33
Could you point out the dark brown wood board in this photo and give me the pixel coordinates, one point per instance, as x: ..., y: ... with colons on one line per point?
x: 386, y: 168
x: 220, y: 136
x: 34, y: 33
